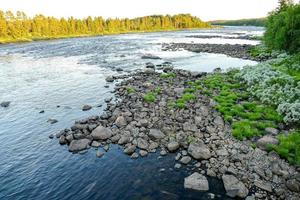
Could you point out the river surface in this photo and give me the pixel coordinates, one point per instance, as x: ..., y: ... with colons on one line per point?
x: 59, y: 77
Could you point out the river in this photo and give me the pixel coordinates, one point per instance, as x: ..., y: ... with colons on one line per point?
x: 59, y: 77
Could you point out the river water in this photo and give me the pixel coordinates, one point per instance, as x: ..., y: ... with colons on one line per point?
x: 59, y: 77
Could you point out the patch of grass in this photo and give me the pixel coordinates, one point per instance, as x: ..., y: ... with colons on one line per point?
x: 157, y: 90
x: 149, y: 97
x: 188, y: 97
x: 130, y: 90
x: 289, y: 147
x: 180, y: 103
x: 245, y: 129
x: 167, y: 75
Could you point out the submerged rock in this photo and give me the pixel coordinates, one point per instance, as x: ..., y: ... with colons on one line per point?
x: 5, y: 104
x: 86, y: 107
x: 196, y: 181
x: 150, y: 56
x: 52, y: 121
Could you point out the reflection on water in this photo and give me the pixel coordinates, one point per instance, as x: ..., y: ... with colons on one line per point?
x: 61, y: 76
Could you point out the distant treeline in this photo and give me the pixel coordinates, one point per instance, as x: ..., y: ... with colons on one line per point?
x: 18, y: 26
x: 241, y: 22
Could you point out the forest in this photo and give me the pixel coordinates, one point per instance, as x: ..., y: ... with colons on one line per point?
x: 20, y: 27
x: 241, y: 22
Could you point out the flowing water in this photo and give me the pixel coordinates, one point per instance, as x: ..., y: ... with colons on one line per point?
x: 59, y: 77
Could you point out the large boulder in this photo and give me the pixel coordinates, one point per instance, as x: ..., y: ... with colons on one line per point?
x: 79, y: 145
x: 267, y: 140
x: 234, y: 187
x: 101, y: 133
x: 196, y: 181
x: 156, y: 134
x: 199, y: 151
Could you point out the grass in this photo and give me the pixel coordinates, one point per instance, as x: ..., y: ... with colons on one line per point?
x: 249, y: 118
x: 289, y: 147
x: 167, y: 75
x: 130, y: 90
x: 149, y: 97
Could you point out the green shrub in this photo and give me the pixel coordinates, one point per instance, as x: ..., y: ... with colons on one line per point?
x: 150, y: 97
x: 130, y: 90
x: 168, y: 75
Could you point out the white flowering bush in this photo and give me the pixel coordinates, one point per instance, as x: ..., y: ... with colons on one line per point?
x: 274, y: 87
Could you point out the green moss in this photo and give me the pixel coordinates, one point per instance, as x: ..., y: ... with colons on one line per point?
x: 189, y: 90
x: 157, y: 90
x: 188, y: 97
x: 149, y: 97
x: 244, y: 129
x: 180, y: 103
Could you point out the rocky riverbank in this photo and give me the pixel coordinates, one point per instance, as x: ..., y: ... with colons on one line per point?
x: 154, y: 112
x: 236, y: 50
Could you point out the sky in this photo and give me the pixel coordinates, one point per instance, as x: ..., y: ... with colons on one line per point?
x: 204, y: 9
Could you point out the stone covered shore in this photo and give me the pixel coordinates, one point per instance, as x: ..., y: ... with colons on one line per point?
x: 194, y: 133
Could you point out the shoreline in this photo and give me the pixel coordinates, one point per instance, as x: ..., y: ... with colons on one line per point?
x: 7, y: 41
x: 158, y: 112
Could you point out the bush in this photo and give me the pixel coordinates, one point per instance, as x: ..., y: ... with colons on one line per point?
x: 283, y: 29
x: 150, y: 97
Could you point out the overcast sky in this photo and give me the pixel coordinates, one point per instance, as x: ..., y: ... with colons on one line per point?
x: 205, y: 9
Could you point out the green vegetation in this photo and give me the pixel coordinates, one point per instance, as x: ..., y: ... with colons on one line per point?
x: 167, y: 75
x: 130, y: 90
x: 150, y: 97
x: 241, y: 22
x: 289, y: 147
x: 19, y: 27
x: 283, y: 28
x: 249, y: 118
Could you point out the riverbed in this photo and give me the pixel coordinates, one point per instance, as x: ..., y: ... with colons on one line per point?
x: 59, y: 77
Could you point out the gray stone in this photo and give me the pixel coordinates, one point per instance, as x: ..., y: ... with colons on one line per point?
x: 173, y: 146
x: 130, y: 149
x: 263, y: 185
x: 150, y: 56
x: 62, y: 140
x: 101, y: 133
x: 121, y: 122
x: 143, y: 153
x: 5, y: 104
x: 134, y: 156
x: 234, y: 187
x: 266, y: 140
x: 199, y: 151
x: 156, y: 134
x: 79, y: 145
x: 99, y: 154
x: 196, y: 181
x: 293, y: 185
x: 271, y: 131
x: 177, y: 166
x: 185, y: 160
x: 142, y: 144
x: 124, y: 140
x: 163, y: 152
x: 95, y: 144
x: 110, y: 79
x: 52, y: 121
x: 86, y: 107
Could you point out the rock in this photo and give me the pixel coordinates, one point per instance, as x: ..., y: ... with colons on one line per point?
x: 163, y: 152
x: 101, y: 133
x: 108, y: 99
x: 234, y: 187
x: 196, y: 181
x: 156, y: 134
x: 189, y: 127
x: 86, y: 107
x: 143, y: 153
x: 42, y: 111
x: 124, y: 140
x: 134, y: 156
x: 110, y: 79
x: 79, y: 145
x: 199, y: 151
x: 177, y: 166
x: 263, y: 185
x: 150, y: 56
x: 293, y: 185
x: 130, y: 149
x: 118, y: 69
x: 219, y: 121
x: 99, y: 154
x: 5, y: 104
x: 52, y: 121
x: 185, y: 160
x: 173, y: 146
x: 271, y: 131
x: 62, y: 140
x: 51, y: 136
x: 115, y: 138
x: 121, y: 122
x: 150, y: 65
x: 95, y: 144
x: 266, y: 140
x: 142, y: 144
x: 106, y: 147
